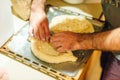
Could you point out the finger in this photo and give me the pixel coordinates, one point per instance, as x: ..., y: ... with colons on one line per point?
x: 36, y: 33
x: 59, y: 36
x: 56, y: 39
x: 3, y: 74
x: 47, y: 32
x: 42, y: 32
x: 53, y: 39
x: 61, y: 49
x: 56, y: 44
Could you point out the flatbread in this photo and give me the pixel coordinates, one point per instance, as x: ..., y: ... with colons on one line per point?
x: 45, y: 52
x: 21, y: 8
x: 71, y: 23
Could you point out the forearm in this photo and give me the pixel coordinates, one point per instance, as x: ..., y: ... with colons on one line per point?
x: 108, y: 40
x: 37, y: 5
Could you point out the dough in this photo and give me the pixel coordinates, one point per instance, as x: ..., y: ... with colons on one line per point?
x: 72, y: 23
x: 21, y: 8
x: 45, y: 52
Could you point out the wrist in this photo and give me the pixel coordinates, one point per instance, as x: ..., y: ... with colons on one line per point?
x: 86, y: 42
x: 38, y: 5
x: 90, y: 41
x: 97, y: 42
x: 93, y: 41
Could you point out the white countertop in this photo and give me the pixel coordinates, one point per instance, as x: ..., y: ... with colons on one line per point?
x: 17, y: 70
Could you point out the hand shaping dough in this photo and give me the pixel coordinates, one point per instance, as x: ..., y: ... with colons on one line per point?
x: 72, y: 23
x: 45, y: 52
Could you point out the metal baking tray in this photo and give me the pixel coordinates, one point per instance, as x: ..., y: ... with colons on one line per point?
x: 18, y: 48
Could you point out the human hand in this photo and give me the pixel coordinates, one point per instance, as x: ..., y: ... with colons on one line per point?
x: 3, y: 74
x: 65, y: 41
x: 39, y: 25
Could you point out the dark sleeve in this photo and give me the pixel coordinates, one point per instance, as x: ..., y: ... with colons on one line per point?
x: 111, y: 11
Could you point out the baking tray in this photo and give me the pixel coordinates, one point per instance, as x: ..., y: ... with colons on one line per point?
x: 18, y: 48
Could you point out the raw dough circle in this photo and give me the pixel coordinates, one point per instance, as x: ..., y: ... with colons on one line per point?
x: 45, y: 52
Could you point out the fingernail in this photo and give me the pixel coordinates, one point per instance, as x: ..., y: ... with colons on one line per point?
x: 48, y: 39
x: 43, y: 39
x: 32, y: 35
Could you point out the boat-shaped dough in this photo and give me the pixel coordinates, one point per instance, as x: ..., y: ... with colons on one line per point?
x: 45, y: 52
